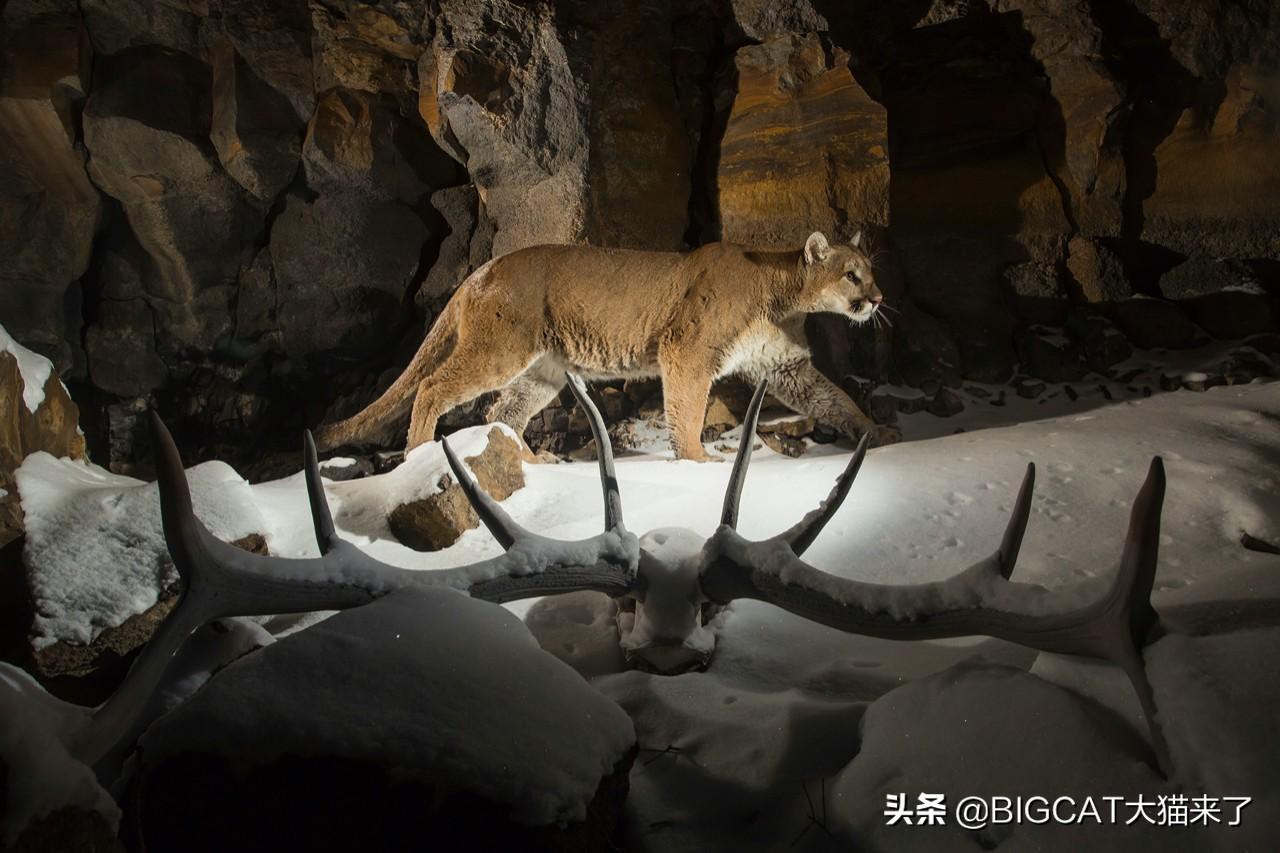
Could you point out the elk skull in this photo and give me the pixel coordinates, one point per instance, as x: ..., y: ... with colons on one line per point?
x: 663, y: 630
x: 669, y: 577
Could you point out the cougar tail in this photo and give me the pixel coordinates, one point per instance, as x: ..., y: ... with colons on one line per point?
x: 399, y: 397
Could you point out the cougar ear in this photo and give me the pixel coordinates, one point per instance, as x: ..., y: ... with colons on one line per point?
x: 816, y: 248
x: 856, y: 242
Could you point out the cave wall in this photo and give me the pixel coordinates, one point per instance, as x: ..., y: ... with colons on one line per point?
x: 245, y: 212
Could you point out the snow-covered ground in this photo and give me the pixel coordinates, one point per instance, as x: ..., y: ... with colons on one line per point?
x: 796, y: 734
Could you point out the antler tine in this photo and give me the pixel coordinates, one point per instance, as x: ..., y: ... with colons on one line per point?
x: 1012, y: 541
x: 177, y: 515
x: 321, y: 518
x: 802, y: 534
x: 604, y: 454
x: 495, y: 518
x: 1137, y: 574
x: 733, y: 492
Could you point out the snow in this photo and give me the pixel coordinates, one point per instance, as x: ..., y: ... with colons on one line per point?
x: 41, y: 774
x: 360, y: 507
x: 381, y: 683
x: 34, y: 368
x: 982, y: 730
x: 95, y: 549
x: 1250, y: 287
x: 902, y: 392
x: 791, y: 713
x: 1218, y: 697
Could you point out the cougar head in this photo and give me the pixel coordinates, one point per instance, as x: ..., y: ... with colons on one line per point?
x: 838, y: 279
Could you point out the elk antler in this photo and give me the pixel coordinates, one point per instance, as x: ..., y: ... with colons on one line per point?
x: 980, y: 600
x: 221, y: 580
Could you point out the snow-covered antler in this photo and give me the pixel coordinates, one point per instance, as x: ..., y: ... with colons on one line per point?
x: 670, y: 574
x: 220, y: 580
x: 979, y: 601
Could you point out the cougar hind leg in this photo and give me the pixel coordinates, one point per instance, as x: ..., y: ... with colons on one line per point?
x: 469, y: 371
x: 526, y: 395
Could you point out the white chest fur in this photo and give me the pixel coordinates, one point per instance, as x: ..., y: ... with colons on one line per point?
x: 765, y: 345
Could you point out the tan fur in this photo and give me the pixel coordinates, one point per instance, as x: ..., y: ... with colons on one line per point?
x: 520, y: 321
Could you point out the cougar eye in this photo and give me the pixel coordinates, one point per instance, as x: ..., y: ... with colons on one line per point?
x: 852, y: 276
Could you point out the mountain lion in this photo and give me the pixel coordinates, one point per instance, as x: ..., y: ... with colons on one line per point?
x: 520, y: 321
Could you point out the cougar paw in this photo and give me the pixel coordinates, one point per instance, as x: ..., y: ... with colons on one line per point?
x: 882, y: 434
x: 698, y: 454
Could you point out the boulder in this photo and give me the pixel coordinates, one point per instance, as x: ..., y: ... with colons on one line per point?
x: 36, y: 414
x: 437, y: 520
x: 1048, y: 354
x: 97, y: 569
x: 946, y: 403
x: 887, y: 401
x: 425, y: 717
x: 1101, y: 343
x: 1201, y: 276
x: 786, y: 434
x: 1157, y: 324
x: 1222, y: 296
x: 89, y: 672
x: 805, y: 148
x: 581, y: 629
x: 718, y: 420
x: 1098, y: 273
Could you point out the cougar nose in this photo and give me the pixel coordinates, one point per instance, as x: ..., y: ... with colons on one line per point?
x: 877, y: 299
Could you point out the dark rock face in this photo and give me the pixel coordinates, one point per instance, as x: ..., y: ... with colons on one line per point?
x: 49, y: 210
x: 805, y: 148
x: 250, y: 209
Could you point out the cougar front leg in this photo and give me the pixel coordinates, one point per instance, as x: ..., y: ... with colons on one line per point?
x: 685, y: 389
x: 802, y: 387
